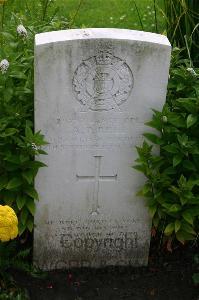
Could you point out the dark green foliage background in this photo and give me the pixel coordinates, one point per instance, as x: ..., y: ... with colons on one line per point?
x: 172, y: 187
x: 19, y: 145
x: 17, y: 141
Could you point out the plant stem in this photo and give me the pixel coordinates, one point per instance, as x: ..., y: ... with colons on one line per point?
x: 2, y: 23
x: 45, y: 6
x: 138, y: 13
x: 188, y: 50
x: 76, y: 13
x: 155, y: 11
x: 2, y: 16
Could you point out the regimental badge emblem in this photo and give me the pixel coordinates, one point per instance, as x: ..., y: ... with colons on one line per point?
x: 103, y: 82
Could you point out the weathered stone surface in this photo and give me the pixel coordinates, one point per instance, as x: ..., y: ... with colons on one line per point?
x: 94, y: 89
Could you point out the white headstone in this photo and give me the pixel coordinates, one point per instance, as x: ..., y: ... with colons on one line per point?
x: 94, y: 89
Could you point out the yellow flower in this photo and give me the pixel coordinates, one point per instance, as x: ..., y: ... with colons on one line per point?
x: 8, y: 223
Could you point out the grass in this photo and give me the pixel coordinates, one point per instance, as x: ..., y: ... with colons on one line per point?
x: 113, y: 13
x: 183, y: 25
x: 132, y: 14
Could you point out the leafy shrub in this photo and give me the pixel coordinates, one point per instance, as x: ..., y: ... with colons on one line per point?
x: 19, y: 145
x: 172, y: 186
x: 12, y: 257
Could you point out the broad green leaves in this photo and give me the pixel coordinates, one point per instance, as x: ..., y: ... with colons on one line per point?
x: 14, y: 183
x: 177, y: 225
x: 19, y: 145
x: 191, y: 120
x: 188, y: 217
x: 171, y: 148
x: 30, y: 191
x: 21, y: 200
x: 169, y: 229
x: 177, y: 159
x: 172, y: 185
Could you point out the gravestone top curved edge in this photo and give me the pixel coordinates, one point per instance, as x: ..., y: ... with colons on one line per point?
x: 100, y: 33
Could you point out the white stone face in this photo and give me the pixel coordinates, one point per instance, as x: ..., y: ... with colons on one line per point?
x: 94, y: 89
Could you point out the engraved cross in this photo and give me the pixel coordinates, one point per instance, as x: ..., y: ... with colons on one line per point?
x: 96, y: 180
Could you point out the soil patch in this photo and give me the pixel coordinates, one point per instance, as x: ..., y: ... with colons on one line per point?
x: 168, y: 277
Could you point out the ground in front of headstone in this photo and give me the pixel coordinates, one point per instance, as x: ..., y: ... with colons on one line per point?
x: 168, y: 277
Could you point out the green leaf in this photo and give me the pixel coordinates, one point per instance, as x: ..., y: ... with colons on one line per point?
x: 175, y: 190
x: 177, y: 225
x: 156, y: 122
x: 22, y: 228
x: 34, y: 164
x: 11, y: 166
x: 28, y: 133
x: 14, y: 183
x: 28, y: 175
x: 30, y: 224
x: 24, y: 216
x: 182, y: 139
x: 187, y: 164
x: 153, y: 138
x: 13, y: 45
x: 169, y: 171
x: 3, y: 182
x: 8, y: 35
x: 166, y: 205
x: 42, y: 152
x: 183, y: 200
x: 21, y: 199
x: 175, y: 208
x: 31, y: 206
x: 152, y: 210
x: 146, y: 189
x: 177, y: 160
x: 8, y: 93
x: 169, y: 229
x: 23, y: 158
x: 172, y: 148
x: 144, y: 151
x: 18, y: 75
x: 191, y: 120
x: 39, y: 139
x: 8, y: 197
x: 187, y: 103
x: 195, y: 150
x: 193, y: 181
x: 183, y: 236
x: 180, y: 86
x: 8, y: 132
x: 177, y: 120
x: 188, y: 217
x: 182, y: 181
x: 30, y: 191
x: 12, y: 158
x: 188, y: 228
x: 194, y: 212
x: 140, y: 168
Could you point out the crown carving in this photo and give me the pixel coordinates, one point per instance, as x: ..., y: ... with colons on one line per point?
x: 104, y: 58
